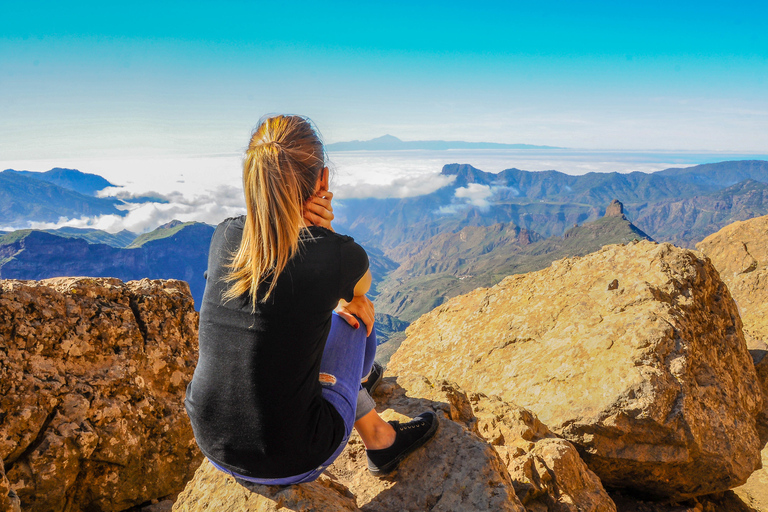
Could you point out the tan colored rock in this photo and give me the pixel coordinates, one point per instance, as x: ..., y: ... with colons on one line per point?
x: 92, y: 379
x: 457, y: 470
x: 546, y: 471
x: 460, y: 469
x: 8, y: 500
x: 739, y: 251
x: 651, y: 379
x: 212, y: 490
x: 726, y: 501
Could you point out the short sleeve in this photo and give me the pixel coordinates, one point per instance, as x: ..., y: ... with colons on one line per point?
x: 353, y: 263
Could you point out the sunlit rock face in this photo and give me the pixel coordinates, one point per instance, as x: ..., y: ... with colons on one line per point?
x: 92, y: 378
x: 739, y: 251
x: 634, y: 353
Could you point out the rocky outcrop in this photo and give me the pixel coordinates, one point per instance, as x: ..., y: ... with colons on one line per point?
x: 739, y: 251
x: 92, y: 377
x: 9, y: 501
x: 486, y: 455
x: 634, y: 353
x: 615, y: 209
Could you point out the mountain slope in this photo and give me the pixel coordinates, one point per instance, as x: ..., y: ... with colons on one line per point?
x: 685, y: 222
x: 72, y: 179
x: 31, y: 254
x: 422, y: 284
x: 23, y: 199
x: 547, y: 202
x: 721, y: 174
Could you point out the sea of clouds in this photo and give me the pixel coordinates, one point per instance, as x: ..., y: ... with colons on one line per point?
x: 208, y: 188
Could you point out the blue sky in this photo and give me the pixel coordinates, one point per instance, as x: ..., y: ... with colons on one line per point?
x: 185, y: 78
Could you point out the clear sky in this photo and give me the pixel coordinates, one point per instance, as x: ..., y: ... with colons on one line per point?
x: 114, y: 79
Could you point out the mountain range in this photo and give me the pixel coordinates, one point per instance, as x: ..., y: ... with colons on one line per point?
x: 173, y: 251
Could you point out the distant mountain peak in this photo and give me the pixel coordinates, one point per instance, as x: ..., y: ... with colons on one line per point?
x: 615, y: 209
x: 172, y: 224
x: 385, y: 138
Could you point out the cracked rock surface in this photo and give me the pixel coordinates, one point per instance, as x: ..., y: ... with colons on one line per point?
x: 739, y: 251
x: 651, y: 379
x: 92, y: 378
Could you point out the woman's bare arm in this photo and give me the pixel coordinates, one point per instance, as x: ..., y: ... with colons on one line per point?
x: 360, y: 306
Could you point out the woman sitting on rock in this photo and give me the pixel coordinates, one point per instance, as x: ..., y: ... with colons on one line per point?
x: 277, y: 387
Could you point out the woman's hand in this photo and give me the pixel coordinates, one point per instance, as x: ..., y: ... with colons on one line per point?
x: 318, y: 210
x: 360, y: 307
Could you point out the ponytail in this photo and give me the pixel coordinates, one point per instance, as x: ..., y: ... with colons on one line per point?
x: 281, y: 166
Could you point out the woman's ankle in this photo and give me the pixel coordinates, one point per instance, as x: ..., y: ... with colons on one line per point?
x: 376, y: 433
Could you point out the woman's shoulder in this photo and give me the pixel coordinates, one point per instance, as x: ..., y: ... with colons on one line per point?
x: 237, y: 221
x: 318, y: 233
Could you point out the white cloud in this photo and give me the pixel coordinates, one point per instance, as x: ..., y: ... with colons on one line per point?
x: 476, y: 194
x: 408, y: 186
x: 211, y: 207
x: 452, y: 209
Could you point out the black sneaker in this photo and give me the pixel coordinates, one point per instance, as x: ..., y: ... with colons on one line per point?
x: 408, y: 437
x: 374, y: 378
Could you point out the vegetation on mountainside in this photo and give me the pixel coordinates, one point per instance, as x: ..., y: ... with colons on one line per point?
x: 684, y: 222
x: 32, y: 254
x: 434, y: 275
x: 164, y: 231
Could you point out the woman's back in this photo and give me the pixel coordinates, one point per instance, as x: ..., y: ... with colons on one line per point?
x: 255, y: 399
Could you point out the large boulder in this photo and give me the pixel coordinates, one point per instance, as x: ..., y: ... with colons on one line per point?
x: 739, y: 251
x: 477, y: 461
x: 634, y: 353
x: 92, y: 378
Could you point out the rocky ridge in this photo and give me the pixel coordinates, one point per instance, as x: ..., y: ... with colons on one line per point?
x: 92, y: 378
x: 634, y: 353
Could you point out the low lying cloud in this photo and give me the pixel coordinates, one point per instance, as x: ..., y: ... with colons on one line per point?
x: 408, y: 186
x: 476, y: 194
x: 210, y: 207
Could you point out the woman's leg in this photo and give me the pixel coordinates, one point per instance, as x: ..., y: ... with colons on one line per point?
x: 340, y: 359
x: 348, y: 356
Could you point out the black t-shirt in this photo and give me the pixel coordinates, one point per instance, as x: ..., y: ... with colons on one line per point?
x: 254, y: 400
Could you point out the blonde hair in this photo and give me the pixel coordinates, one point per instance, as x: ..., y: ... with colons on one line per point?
x: 282, y: 164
